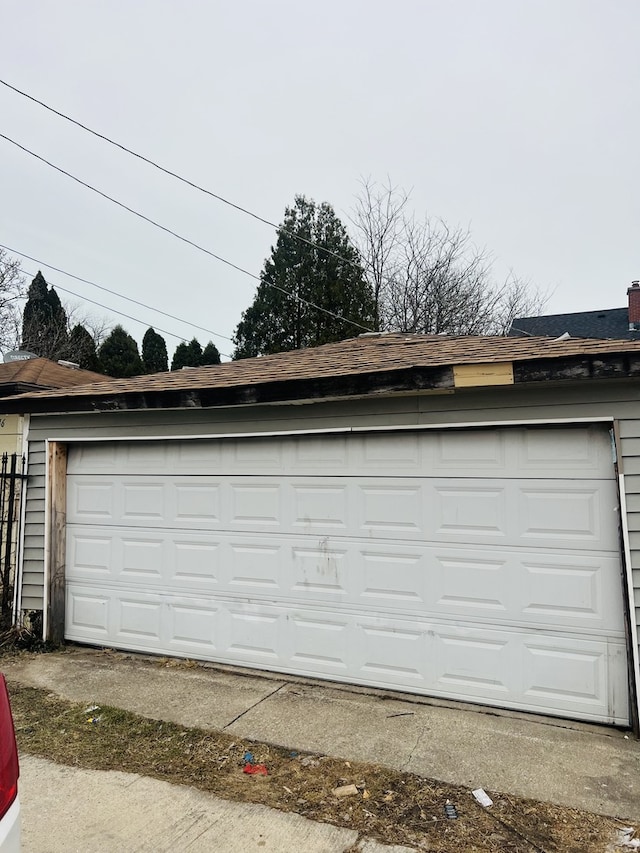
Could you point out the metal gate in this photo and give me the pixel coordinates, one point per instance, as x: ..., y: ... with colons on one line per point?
x: 12, y: 479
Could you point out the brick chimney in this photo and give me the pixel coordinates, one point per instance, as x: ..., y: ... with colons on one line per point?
x: 634, y: 305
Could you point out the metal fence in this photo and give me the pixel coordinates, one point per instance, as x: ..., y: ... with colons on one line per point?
x: 13, y: 476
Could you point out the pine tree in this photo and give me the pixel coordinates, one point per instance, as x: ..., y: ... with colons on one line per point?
x: 187, y: 355
x: 81, y: 348
x: 154, y: 352
x: 333, y: 280
x: 210, y: 354
x: 119, y: 355
x: 44, y: 321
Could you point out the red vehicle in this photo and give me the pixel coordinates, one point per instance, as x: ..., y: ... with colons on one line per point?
x: 9, y: 772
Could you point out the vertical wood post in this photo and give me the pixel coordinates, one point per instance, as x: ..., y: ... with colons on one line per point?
x: 57, y: 487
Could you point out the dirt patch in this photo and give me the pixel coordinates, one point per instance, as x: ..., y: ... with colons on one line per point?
x: 393, y: 807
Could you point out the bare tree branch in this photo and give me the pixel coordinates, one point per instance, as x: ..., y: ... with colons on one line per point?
x: 428, y: 277
x: 12, y: 294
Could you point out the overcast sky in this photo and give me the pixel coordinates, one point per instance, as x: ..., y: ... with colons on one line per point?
x: 517, y: 118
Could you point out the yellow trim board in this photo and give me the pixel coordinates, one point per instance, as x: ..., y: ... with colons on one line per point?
x: 475, y: 375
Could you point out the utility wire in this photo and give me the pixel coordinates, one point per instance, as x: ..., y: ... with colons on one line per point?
x: 177, y: 176
x: 121, y: 313
x: 180, y: 236
x: 115, y: 293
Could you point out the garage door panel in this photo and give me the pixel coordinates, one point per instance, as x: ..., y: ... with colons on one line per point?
x: 463, y: 454
x: 87, y: 613
x: 390, y: 577
x: 255, y: 567
x: 139, y: 620
x: 193, y: 626
x: 255, y: 504
x: 481, y: 565
x: 255, y: 633
x: 141, y: 559
x: 555, y: 590
x: 199, y: 503
x: 561, y: 513
x: 573, y: 450
x: 407, y: 455
x: 320, y: 642
x: 525, y: 451
x: 390, y: 511
x: 89, y: 499
x: 469, y: 661
x: 472, y: 663
x: 575, y: 676
x: 90, y: 554
x: 541, y: 514
x: 470, y: 511
x: 320, y: 506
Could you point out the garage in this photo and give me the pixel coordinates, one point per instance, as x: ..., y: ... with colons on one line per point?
x: 479, y: 564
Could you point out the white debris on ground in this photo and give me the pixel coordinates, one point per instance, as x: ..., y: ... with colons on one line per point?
x: 628, y: 839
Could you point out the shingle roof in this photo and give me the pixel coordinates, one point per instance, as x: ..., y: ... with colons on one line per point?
x: 43, y: 373
x: 367, y: 354
x: 611, y: 323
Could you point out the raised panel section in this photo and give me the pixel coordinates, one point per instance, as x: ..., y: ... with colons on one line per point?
x: 88, y: 613
x: 471, y: 510
x: 90, y: 500
x: 320, y: 506
x: 473, y: 662
x: 193, y: 625
x: 257, y: 505
x: 138, y: 618
x: 398, y: 578
x: 561, y: 672
x: 143, y: 501
x: 198, y: 502
x: 254, y: 635
x: 319, y: 643
x: 473, y: 583
x: 466, y: 452
x: 142, y: 558
x: 92, y: 554
x: 319, y: 570
x: 560, y: 513
x: 255, y: 566
x: 390, y: 511
x: 195, y: 561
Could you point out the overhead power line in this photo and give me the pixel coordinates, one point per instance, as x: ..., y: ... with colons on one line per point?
x: 177, y: 176
x: 115, y: 293
x: 180, y: 236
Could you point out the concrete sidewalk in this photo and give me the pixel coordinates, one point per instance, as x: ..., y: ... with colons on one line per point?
x: 71, y: 810
x: 574, y: 765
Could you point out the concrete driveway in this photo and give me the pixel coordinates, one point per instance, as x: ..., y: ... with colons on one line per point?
x: 575, y: 765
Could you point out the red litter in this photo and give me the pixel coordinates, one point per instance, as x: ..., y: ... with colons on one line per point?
x: 255, y: 769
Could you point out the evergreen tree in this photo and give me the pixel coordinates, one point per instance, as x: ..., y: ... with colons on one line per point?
x: 277, y: 321
x: 154, y: 352
x: 187, y: 355
x: 44, y: 321
x: 210, y: 354
x: 119, y: 355
x: 81, y: 348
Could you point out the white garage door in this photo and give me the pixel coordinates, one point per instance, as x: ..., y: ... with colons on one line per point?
x: 481, y: 565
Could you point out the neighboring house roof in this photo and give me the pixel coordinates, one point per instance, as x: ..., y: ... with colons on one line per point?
x: 39, y: 373
x: 369, y: 364
x: 609, y: 323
